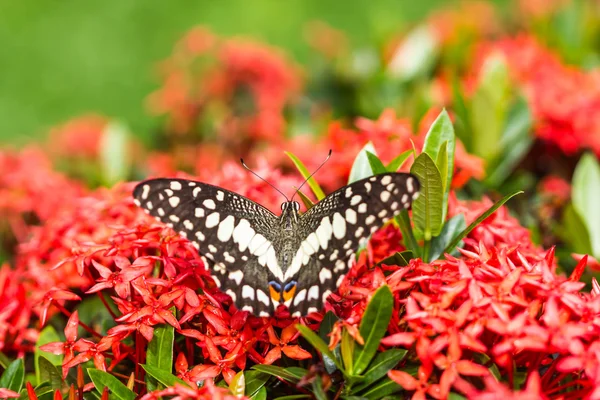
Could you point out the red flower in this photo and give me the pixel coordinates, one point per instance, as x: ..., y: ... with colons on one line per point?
x: 280, y: 345
x: 66, y: 348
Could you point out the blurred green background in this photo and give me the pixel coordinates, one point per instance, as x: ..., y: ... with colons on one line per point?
x: 61, y: 59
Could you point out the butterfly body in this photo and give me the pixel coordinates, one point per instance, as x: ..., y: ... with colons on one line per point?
x: 262, y: 260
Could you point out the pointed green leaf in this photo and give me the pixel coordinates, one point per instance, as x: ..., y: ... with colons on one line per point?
x: 376, y: 165
x: 160, y: 351
x: 347, y: 349
x: 306, y: 200
x: 462, y: 122
x: 324, y: 330
x: 372, y: 328
x: 381, y: 388
x: 380, y: 366
x: 489, y: 107
x: 427, y: 209
x: 452, y: 228
x: 117, y: 389
x: 293, y: 374
x: 361, y: 168
x: 440, y: 144
x: 408, y: 236
x: 47, y: 335
x: 115, y: 154
x: 416, y: 56
x: 237, y: 387
x: 305, y: 174
x: 14, y: 376
x: 255, y: 381
x: 295, y: 397
x: 4, y: 360
x: 400, y: 259
x: 585, y: 194
x: 515, y: 144
x: 479, y: 220
x: 575, y: 231
x: 162, y: 376
x: 397, y: 162
x: 261, y: 394
x: 318, y: 343
x: 49, y: 373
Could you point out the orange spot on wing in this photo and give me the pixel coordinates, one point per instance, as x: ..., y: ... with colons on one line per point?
x: 289, y: 294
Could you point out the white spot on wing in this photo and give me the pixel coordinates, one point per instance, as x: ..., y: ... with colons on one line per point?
x: 324, y: 232
x: 257, y: 241
x: 199, y: 212
x: 384, y: 196
x: 212, y: 220
x: 220, y: 195
x: 300, y: 296
x: 313, y: 240
x: 196, y: 191
x: 355, y: 200
x: 362, y: 208
x: 339, y: 226
x: 367, y: 187
x: 174, y: 218
x: 145, y: 191
x: 209, y: 203
x: 247, y: 292
x: 231, y: 293
x: 351, y: 216
x: 262, y: 297
x: 324, y: 274
x: 348, y: 192
x: 243, y: 233
x: 188, y: 224
x: 370, y: 219
x: 226, y: 228
x: 325, y: 295
x: 236, y: 276
x: 175, y: 185
x: 410, y: 185
x: 313, y: 292
x: 386, y: 180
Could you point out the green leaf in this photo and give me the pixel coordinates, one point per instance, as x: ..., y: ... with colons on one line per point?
x: 400, y: 259
x: 574, y: 231
x: 450, y: 230
x: 115, y: 157
x: 318, y: 343
x: 380, y: 389
x: 361, y: 168
x: 479, y: 220
x: 427, y: 209
x: 489, y: 106
x: 255, y: 381
x: 305, y: 174
x: 261, y: 394
x: 294, y: 397
x: 49, y: 373
x: 164, y: 377
x: 306, y: 200
x: 455, y: 396
x: 416, y: 56
x: 160, y: 352
x: 515, y: 144
x: 440, y: 144
x: 463, y: 129
x: 324, y: 330
x: 47, y: 335
x: 237, y: 387
x: 4, y: 360
x: 117, y: 389
x: 376, y: 165
x: 14, y: 376
x: 380, y: 366
x: 585, y: 194
x: 347, y: 346
x: 293, y: 374
x: 373, y: 326
x: 408, y: 236
x: 397, y: 162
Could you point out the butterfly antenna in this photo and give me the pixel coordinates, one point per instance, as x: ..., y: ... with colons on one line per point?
x: 263, y: 179
x: 311, y: 175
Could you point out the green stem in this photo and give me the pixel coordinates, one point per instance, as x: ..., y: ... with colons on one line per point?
x: 407, y: 233
x: 426, y: 247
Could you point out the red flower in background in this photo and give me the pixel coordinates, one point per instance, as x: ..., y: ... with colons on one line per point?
x: 78, y: 138
x: 565, y: 100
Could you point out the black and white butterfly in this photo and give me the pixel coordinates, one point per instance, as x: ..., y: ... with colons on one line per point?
x: 262, y: 260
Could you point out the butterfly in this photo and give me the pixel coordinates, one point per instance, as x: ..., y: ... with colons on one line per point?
x: 263, y: 260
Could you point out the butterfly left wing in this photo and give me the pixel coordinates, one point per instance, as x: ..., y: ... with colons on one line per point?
x: 334, y: 228
x: 233, y: 234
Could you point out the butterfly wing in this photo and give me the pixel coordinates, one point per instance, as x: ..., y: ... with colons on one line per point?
x: 334, y: 228
x: 233, y: 234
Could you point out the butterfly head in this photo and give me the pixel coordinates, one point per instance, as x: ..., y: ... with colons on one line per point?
x: 289, y: 214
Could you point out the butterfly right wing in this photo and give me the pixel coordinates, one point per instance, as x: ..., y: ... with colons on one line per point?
x: 334, y: 228
x: 233, y: 234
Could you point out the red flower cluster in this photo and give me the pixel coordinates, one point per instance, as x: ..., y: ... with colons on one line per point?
x: 237, y: 87
x: 565, y: 100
